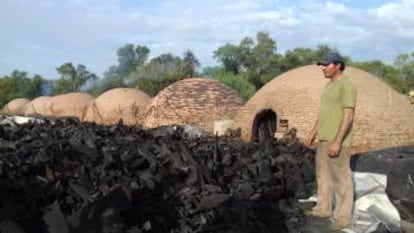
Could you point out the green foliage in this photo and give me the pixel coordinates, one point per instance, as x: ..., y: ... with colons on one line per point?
x: 298, y: 57
x: 303, y: 56
x: 322, y: 50
x: 110, y: 80
x: 160, y: 72
x: 230, y: 57
x: 262, y: 61
x: 72, y: 79
x: 165, y: 66
x: 130, y: 59
x: 245, y: 67
x: 133, y: 70
x: 239, y: 83
x: 153, y: 86
x: 189, y: 64
x: 19, y: 85
x: 257, y: 60
x: 210, y: 71
x: 389, y: 74
x: 404, y: 63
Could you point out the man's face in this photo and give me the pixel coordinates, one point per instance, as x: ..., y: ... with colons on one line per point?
x: 331, y: 70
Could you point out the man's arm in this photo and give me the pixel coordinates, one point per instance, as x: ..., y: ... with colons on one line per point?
x: 340, y: 136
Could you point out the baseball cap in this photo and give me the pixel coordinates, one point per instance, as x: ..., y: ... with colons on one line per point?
x: 331, y: 58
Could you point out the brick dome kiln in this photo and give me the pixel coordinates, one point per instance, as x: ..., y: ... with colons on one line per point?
x: 15, y: 106
x: 384, y: 118
x: 37, y: 106
x: 68, y: 105
x: 195, y: 101
x: 113, y: 105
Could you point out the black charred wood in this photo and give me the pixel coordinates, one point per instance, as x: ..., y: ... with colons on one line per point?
x: 63, y: 176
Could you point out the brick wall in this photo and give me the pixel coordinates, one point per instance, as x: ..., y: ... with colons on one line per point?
x: 37, y: 106
x: 68, y: 105
x: 15, y: 106
x: 195, y: 101
x: 384, y: 118
x: 113, y: 105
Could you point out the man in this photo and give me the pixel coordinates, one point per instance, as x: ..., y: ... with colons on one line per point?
x: 333, y: 130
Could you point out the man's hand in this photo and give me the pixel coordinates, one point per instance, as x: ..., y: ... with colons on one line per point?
x: 334, y: 149
x: 310, y: 139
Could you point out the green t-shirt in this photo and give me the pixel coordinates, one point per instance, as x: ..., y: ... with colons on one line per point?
x: 336, y: 96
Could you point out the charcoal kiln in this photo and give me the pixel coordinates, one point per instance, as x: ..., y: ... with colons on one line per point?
x: 264, y: 125
x: 71, y: 104
x: 118, y: 104
x: 37, y: 107
x: 15, y: 106
x: 383, y: 117
x: 193, y: 101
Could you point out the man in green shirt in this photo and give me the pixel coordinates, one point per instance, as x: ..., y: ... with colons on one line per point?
x: 333, y: 130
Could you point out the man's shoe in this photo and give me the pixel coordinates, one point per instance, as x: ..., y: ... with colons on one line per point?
x: 318, y: 213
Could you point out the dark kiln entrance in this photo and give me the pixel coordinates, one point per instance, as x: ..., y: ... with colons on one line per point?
x: 264, y: 125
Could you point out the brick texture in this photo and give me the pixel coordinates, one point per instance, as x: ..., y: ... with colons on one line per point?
x: 37, y: 106
x: 126, y: 104
x: 68, y: 105
x: 384, y: 118
x: 15, y: 106
x: 194, y: 101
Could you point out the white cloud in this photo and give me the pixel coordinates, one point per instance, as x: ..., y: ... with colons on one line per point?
x: 38, y: 36
x: 336, y: 8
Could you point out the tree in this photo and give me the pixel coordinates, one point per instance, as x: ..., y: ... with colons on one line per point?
x: 130, y: 61
x: 266, y: 60
x: 72, y: 79
x: 211, y: 71
x: 230, y: 57
x: 160, y: 72
x: 111, y: 79
x: 129, y: 58
x: 239, y: 83
x: 165, y: 66
x: 151, y: 86
x: 141, y: 55
x: 298, y: 57
x: 375, y: 67
x: 19, y: 85
x: 385, y: 72
x: 404, y: 63
x: 323, y: 50
x: 258, y: 60
x: 190, y: 63
x: 151, y: 76
x: 39, y: 86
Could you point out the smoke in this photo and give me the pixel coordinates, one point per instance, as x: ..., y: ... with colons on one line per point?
x: 89, y: 85
x: 47, y: 88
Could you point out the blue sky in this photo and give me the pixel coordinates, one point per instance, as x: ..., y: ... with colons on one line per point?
x: 38, y: 36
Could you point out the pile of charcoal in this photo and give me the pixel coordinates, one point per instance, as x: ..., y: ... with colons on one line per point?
x: 63, y: 176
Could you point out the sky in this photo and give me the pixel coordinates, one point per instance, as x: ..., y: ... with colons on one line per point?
x: 39, y: 36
